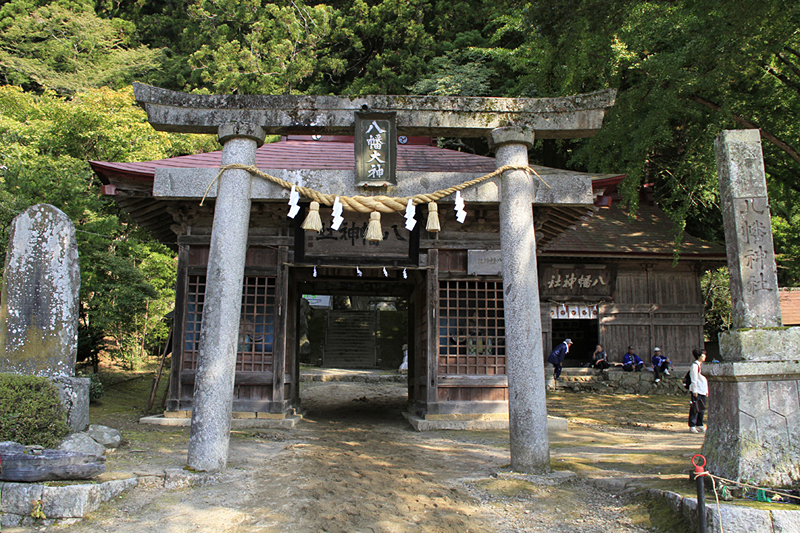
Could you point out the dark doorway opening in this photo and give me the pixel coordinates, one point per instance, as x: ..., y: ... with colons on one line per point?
x: 360, y: 323
x: 584, y: 335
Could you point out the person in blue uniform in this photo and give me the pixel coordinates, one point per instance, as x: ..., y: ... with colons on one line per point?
x: 557, y: 357
x: 600, y: 359
x: 632, y: 362
x: 661, y: 364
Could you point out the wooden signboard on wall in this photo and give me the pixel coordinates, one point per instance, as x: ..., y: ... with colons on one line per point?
x: 348, y: 244
x: 570, y: 281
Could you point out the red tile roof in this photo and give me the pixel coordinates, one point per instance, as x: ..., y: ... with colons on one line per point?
x: 790, y: 306
x: 612, y: 232
x: 311, y: 155
x: 294, y: 154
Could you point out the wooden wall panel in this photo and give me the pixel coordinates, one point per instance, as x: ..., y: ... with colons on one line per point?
x: 473, y: 394
x: 259, y: 256
x: 677, y: 288
x: 677, y: 342
x: 616, y: 339
x: 654, y: 305
x: 453, y: 261
x: 631, y: 288
x: 198, y: 255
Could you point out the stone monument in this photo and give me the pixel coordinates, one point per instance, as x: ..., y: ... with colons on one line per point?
x: 39, y: 312
x: 754, y: 394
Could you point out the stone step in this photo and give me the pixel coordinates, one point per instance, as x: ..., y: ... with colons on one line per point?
x: 350, y: 340
x: 615, y: 380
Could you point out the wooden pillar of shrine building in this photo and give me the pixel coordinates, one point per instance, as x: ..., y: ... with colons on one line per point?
x: 467, y: 358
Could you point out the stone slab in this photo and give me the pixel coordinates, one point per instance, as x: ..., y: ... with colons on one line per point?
x: 59, y: 502
x: 108, y: 437
x: 33, y: 464
x: 74, y: 394
x: 470, y: 424
x: 39, y: 311
x: 179, y: 478
x: 760, y: 344
x: 237, y: 423
x: 727, y: 518
x: 550, y: 479
x: 549, y: 118
x: 785, y: 521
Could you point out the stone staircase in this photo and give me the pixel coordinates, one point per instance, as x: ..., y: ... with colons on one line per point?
x: 350, y: 340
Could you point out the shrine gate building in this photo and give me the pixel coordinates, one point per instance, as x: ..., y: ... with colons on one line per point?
x: 603, y: 277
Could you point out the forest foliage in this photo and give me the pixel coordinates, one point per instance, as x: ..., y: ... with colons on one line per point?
x: 684, y: 70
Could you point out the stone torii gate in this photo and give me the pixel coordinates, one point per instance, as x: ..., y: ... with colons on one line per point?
x: 241, y: 123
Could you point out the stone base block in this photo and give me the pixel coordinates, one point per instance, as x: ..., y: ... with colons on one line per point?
x: 754, y: 421
x: 74, y: 394
x: 472, y: 422
x: 62, y: 502
x: 760, y: 344
x: 177, y: 414
x: 287, y: 422
x: 264, y: 416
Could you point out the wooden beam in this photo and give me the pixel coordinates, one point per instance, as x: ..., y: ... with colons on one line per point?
x: 433, y: 326
x: 281, y: 324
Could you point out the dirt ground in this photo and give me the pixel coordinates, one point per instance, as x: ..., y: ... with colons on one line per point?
x: 355, y: 465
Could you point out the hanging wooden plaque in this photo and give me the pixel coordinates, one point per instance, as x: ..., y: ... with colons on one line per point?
x: 375, y: 149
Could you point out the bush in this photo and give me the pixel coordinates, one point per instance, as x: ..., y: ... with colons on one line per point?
x: 96, y: 389
x: 31, y: 412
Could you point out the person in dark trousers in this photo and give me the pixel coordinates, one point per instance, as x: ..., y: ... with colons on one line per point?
x: 661, y: 364
x: 699, y: 391
x: 632, y: 362
x: 557, y: 357
x: 599, y: 358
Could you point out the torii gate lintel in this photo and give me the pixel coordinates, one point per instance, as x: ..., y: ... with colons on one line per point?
x: 567, y: 117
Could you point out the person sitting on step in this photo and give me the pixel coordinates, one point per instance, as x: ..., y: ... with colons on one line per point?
x: 632, y: 362
x: 661, y: 364
x: 599, y: 358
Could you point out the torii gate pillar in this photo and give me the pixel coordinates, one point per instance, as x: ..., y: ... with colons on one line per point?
x: 216, y: 358
x: 527, y: 409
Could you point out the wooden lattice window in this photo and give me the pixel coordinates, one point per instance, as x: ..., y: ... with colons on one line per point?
x: 256, y: 323
x: 195, y: 298
x: 472, y: 331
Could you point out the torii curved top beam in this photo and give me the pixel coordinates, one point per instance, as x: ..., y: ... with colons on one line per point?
x: 549, y: 118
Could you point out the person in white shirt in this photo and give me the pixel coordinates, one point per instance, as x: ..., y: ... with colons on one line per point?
x: 699, y: 391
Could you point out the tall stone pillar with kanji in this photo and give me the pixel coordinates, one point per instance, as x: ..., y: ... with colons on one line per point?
x: 754, y: 406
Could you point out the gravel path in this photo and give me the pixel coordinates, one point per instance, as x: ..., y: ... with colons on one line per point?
x: 355, y: 465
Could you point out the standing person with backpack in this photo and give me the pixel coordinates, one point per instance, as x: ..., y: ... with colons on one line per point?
x: 699, y: 391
